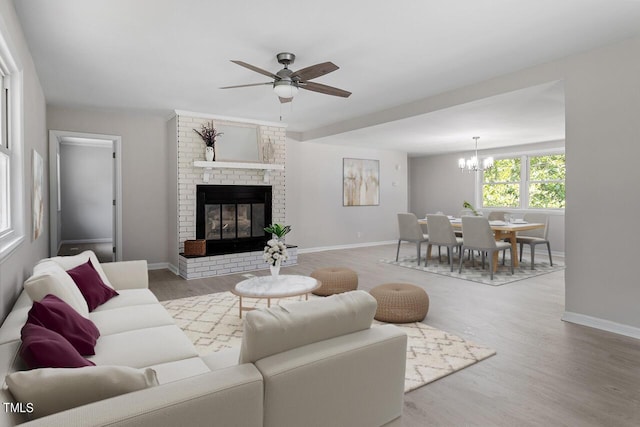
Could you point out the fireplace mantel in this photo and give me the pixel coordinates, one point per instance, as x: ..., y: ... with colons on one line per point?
x: 266, y: 167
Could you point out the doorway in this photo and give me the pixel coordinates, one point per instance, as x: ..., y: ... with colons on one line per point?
x: 85, y: 194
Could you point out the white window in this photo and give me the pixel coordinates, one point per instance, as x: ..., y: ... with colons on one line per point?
x: 11, y: 149
x: 5, y: 160
x: 5, y: 186
x: 525, y: 182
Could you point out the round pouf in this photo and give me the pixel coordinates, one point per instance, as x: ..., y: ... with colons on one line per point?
x: 400, y: 303
x: 335, y: 280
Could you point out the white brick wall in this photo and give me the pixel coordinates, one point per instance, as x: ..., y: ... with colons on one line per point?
x: 218, y: 265
x: 191, y: 148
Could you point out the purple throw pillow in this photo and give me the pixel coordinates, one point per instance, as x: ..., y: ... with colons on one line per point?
x: 93, y: 289
x: 42, y: 348
x: 58, y: 316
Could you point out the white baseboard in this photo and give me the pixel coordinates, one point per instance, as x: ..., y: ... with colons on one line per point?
x: 602, y: 324
x: 162, y: 265
x: 348, y: 246
x: 77, y: 242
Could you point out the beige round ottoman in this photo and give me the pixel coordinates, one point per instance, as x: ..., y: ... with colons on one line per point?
x: 400, y: 303
x: 335, y: 280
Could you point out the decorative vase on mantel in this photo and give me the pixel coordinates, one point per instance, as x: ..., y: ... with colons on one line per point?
x: 209, y: 154
x: 275, y: 270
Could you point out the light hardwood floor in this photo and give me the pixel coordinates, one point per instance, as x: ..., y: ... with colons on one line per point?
x: 546, y: 372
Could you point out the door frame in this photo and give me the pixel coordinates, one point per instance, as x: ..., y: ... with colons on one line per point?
x: 55, y: 138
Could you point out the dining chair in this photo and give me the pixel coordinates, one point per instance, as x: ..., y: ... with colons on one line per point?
x: 410, y: 231
x: 441, y: 234
x: 463, y: 212
x: 497, y: 215
x: 535, y: 237
x: 477, y: 235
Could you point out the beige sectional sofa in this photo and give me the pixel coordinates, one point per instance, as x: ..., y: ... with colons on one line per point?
x: 315, y: 363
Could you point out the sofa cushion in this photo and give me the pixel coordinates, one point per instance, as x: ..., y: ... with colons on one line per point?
x: 143, y: 347
x: 50, y: 278
x: 124, y: 319
x: 17, y: 317
x: 277, y: 329
x: 222, y: 358
x: 10, y: 361
x: 93, y: 289
x: 54, y: 390
x: 69, y: 262
x: 180, y: 369
x: 42, y: 348
x: 56, y: 315
x: 128, y: 298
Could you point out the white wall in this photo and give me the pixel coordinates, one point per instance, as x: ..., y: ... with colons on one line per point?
x: 86, y: 182
x: 436, y: 184
x: 603, y: 140
x: 602, y: 100
x: 145, y: 217
x: 172, y: 193
x: 314, y: 196
x: 16, y: 267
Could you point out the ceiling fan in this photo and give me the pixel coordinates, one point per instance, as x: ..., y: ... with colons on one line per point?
x: 287, y: 82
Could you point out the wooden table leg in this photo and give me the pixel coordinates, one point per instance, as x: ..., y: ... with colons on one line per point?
x: 268, y: 302
x: 240, y: 314
x: 502, y: 235
x: 514, y: 249
x: 429, y: 252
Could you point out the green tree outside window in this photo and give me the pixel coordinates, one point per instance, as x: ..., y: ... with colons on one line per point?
x: 501, y: 187
x: 546, y: 181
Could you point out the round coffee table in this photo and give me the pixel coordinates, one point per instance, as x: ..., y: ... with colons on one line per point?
x: 269, y: 287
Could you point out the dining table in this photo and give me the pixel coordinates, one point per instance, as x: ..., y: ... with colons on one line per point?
x: 502, y: 230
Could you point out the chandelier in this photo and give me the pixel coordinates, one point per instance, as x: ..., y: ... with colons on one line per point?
x: 472, y: 164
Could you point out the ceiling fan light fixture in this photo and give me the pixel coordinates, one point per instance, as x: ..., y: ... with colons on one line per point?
x: 285, y: 89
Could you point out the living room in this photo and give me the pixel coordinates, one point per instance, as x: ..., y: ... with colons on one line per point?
x: 600, y: 74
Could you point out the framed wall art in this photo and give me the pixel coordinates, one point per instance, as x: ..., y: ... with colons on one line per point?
x: 360, y: 182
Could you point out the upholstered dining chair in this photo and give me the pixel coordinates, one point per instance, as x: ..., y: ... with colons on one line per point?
x: 410, y: 231
x: 464, y: 212
x: 497, y: 215
x: 477, y: 235
x: 535, y: 237
x: 441, y: 234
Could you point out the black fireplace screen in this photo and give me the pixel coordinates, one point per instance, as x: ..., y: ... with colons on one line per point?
x: 231, y: 221
x: 232, y: 217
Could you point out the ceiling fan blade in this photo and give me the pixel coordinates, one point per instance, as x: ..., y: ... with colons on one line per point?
x: 327, y: 90
x: 314, y: 71
x: 252, y: 84
x: 256, y: 69
x: 284, y: 100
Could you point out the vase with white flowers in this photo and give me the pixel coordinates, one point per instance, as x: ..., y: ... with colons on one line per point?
x: 275, y: 253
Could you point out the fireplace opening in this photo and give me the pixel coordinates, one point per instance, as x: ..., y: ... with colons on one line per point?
x: 231, y: 218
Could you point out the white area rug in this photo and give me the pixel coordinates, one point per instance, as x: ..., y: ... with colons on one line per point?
x: 476, y: 273
x: 212, y: 323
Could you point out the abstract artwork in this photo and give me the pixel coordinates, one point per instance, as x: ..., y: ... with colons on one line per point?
x: 360, y: 182
x: 38, y: 202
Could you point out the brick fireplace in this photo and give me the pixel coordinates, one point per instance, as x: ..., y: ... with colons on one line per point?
x: 225, y: 175
x: 232, y: 218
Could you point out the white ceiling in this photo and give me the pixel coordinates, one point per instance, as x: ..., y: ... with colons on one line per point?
x: 162, y: 55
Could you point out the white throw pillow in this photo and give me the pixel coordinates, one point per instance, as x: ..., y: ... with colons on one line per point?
x: 69, y: 262
x: 52, y: 390
x: 50, y: 278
